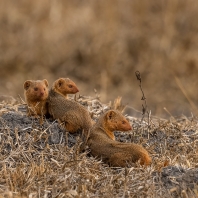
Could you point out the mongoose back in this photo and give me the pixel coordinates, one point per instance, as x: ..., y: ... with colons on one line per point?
x: 65, y: 86
x: 36, y: 94
x: 72, y: 114
x: 103, y: 145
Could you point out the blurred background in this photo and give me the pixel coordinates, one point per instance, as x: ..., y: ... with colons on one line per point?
x: 100, y: 45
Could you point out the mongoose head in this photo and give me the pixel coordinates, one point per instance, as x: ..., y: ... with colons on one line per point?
x: 36, y: 90
x: 116, y: 121
x: 65, y: 86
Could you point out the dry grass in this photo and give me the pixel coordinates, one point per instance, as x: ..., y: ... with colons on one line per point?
x: 31, y: 165
x: 100, y: 45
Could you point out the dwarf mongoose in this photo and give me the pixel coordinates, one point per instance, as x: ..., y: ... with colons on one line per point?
x: 72, y: 114
x: 102, y: 142
x: 36, y: 93
x: 65, y: 86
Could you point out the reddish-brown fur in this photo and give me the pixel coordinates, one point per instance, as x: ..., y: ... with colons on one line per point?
x: 36, y: 94
x: 103, y: 145
x: 73, y: 115
x: 65, y: 86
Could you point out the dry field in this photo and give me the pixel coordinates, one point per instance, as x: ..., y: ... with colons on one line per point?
x: 44, y: 161
x: 100, y: 45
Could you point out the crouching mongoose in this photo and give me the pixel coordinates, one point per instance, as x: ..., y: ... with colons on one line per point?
x: 102, y: 142
x: 71, y: 114
x: 36, y: 94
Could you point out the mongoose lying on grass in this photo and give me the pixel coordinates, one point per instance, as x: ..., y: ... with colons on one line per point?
x: 72, y: 114
x: 102, y: 142
x: 65, y: 86
x: 36, y: 93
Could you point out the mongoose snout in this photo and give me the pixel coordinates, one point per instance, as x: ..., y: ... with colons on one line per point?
x: 122, y: 125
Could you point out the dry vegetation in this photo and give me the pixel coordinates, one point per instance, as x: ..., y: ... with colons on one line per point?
x: 44, y: 161
x: 100, y: 44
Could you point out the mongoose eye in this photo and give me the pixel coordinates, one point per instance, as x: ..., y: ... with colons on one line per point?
x: 123, y: 122
x: 44, y: 89
x: 35, y: 89
x: 70, y: 86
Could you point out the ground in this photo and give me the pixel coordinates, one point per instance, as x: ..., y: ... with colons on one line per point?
x: 44, y: 161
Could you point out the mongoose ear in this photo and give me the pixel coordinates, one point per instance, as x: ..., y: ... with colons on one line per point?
x: 110, y: 114
x: 60, y: 82
x: 46, y: 82
x: 67, y: 80
x: 27, y: 84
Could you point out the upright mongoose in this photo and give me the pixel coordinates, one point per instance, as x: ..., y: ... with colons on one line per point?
x: 65, y: 86
x: 36, y: 94
x: 102, y: 142
x: 73, y: 115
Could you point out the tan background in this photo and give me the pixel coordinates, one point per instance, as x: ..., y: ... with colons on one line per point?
x: 100, y: 44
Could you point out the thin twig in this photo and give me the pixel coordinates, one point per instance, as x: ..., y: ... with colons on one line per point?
x: 144, y: 106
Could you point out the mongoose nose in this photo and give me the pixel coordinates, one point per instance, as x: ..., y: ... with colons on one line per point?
x: 42, y: 93
x: 77, y: 90
x: 130, y: 128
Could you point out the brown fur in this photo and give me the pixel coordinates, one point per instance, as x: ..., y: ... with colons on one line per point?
x: 36, y: 94
x: 103, y: 145
x: 72, y: 114
x: 65, y: 86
